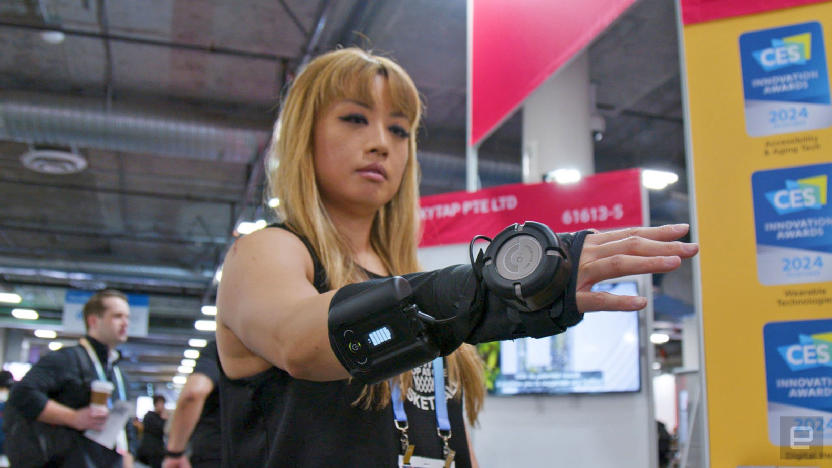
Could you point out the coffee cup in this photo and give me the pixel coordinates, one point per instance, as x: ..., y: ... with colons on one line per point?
x: 100, y: 391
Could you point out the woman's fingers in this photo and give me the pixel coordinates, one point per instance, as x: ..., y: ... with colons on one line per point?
x: 667, y: 232
x: 625, y: 252
x: 595, y: 301
x: 623, y: 265
x: 640, y: 246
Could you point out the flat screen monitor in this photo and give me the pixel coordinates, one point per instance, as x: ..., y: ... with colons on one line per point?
x: 599, y: 355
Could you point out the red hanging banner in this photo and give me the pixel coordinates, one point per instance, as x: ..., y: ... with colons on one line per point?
x: 516, y: 46
x: 700, y: 11
x: 602, y: 201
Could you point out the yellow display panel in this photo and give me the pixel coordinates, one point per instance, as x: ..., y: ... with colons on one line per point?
x: 761, y: 146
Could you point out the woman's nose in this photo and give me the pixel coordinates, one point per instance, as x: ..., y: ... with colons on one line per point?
x: 380, y: 140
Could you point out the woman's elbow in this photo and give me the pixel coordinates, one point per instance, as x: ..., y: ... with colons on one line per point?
x: 297, y: 364
x: 302, y: 361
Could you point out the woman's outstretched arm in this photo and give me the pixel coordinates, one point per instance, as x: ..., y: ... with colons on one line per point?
x: 271, y: 314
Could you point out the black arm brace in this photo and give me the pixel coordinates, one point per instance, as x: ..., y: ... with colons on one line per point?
x: 419, y: 316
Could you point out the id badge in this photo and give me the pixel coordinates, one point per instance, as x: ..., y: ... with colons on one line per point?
x: 424, y: 462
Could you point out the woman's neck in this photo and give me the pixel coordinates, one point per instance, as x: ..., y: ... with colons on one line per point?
x: 354, y: 229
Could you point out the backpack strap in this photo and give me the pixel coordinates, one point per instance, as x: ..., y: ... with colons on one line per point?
x: 84, y: 363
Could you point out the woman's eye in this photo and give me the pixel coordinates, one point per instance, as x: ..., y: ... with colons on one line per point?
x: 399, y: 131
x: 354, y: 118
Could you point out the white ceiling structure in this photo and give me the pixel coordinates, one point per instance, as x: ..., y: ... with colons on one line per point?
x: 168, y: 105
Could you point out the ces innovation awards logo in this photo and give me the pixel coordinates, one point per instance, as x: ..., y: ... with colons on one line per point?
x: 810, y: 352
x: 784, y: 52
x: 808, y: 193
x: 785, y: 79
x: 793, y: 224
x: 798, y: 359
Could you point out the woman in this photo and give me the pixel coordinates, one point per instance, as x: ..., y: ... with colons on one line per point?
x: 347, y: 180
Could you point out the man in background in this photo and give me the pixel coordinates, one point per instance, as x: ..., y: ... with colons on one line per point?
x: 197, y: 417
x: 56, y: 390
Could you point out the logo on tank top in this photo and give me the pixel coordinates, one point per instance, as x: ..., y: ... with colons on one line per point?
x: 420, y: 394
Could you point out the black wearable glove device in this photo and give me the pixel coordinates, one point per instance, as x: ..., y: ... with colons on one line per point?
x: 522, y: 285
x: 375, y: 327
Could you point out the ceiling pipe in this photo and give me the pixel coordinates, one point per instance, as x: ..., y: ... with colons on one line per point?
x: 96, y: 280
x: 212, y: 49
x: 41, y: 119
x: 150, y: 237
x: 69, y: 278
x: 140, y: 275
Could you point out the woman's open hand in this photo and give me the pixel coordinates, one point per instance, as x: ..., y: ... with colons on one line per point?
x: 625, y: 252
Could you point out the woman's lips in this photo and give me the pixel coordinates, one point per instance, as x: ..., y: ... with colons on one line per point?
x: 374, y: 172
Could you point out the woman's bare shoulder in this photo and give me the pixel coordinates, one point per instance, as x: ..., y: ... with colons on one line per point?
x: 269, y: 249
x: 263, y: 272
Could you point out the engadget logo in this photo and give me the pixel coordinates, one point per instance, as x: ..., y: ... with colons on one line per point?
x: 808, y: 193
x: 784, y: 52
x: 809, y: 352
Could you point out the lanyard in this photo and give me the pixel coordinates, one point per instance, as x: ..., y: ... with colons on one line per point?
x: 100, y: 369
x: 443, y: 424
x: 442, y: 421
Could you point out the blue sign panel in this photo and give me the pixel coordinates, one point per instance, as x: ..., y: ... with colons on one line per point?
x: 785, y: 79
x: 793, y: 224
x: 799, y: 377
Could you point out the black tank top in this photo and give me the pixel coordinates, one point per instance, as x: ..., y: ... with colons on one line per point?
x: 271, y: 419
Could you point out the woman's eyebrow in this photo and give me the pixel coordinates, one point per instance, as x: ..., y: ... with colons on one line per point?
x: 396, y: 113
x: 358, y: 103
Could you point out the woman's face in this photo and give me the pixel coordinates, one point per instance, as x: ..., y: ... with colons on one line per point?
x: 361, y: 151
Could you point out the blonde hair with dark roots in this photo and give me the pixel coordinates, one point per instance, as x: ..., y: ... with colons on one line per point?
x: 349, y: 74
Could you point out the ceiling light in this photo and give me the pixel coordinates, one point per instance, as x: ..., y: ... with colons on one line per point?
x: 46, y: 334
x: 53, y: 162
x: 185, y: 369
x: 52, y: 37
x: 274, y: 202
x: 563, y: 176
x: 247, y: 227
x: 659, y: 338
x: 209, y: 310
x: 191, y: 353
x: 55, y: 345
x: 188, y: 363
x: 25, y: 314
x: 10, y: 298
x: 197, y: 342
x: 180, y: 379
x: 658, y: 180
x: 206, y: 325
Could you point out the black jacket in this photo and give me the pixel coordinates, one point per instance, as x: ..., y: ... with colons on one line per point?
x: 55, y: 376
x: 152, y: 447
